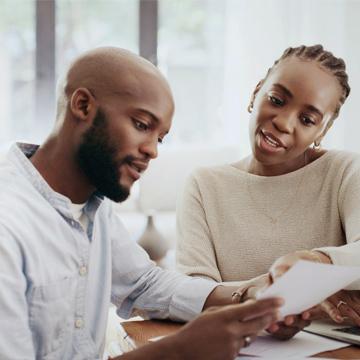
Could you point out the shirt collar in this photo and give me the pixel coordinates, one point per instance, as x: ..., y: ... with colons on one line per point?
x: 19, y: 155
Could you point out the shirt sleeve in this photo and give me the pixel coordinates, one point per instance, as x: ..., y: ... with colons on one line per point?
x: 15, y: 334
x: 138, y: 284
x: 349, y: 210
x: 195, y: 253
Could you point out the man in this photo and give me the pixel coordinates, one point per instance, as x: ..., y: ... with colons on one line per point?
x: 64, y: 254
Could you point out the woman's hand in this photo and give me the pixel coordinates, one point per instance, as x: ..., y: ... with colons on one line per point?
x: 292, y: 324
x: 283, y: 330
x: 344, y: 305
x: 286, y: 329
x: 251, y: 287
x: 284, y: 263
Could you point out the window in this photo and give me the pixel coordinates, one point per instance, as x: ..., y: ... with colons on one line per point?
x: 83, y: 25
x: 17, y: 69
x: 213, y: 53
x: 191, y: 55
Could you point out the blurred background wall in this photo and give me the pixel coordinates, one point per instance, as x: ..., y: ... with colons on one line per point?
x: 212, y: 51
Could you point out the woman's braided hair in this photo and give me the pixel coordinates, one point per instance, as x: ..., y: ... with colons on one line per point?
x: 327, y: 60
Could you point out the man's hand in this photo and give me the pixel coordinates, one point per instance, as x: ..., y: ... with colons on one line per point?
x: 219, y: 333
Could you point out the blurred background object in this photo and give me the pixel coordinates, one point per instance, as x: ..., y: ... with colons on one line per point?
x: 162, y: 184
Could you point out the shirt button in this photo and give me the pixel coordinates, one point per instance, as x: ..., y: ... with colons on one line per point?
x: 83, y: 270
x: 79, y: 323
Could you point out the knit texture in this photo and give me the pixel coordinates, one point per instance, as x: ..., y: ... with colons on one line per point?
x: 232, y: 225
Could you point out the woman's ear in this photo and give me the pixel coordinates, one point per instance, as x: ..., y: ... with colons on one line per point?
x: 82, y: 103
x: 253, y: 96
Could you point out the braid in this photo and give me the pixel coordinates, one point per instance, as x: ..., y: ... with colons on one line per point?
x: 326, y: 60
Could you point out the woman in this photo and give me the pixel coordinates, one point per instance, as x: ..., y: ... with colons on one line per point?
x: 289, y: 194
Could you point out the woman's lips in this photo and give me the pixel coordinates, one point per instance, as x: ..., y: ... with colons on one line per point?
x: 272, y: 139
x: 268, y: 145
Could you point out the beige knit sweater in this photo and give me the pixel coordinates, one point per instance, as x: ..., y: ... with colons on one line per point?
x: 232, y: 225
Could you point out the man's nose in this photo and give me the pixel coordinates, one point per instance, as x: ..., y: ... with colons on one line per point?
x: 150, y: 148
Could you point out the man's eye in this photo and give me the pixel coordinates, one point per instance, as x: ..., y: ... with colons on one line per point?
x: 275, y: 100
x: 140, y: 125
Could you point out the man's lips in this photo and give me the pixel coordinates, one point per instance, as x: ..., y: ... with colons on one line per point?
x: 272, y: 140
x: 135, y: 168
x: 140, y: 166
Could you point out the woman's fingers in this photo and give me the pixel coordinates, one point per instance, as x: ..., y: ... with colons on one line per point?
x: 283, y: 331
x: 347, y: 306
x: 289, y: 320
x: 349, y: 312
x: 332, y: 311
x: 314, y: 313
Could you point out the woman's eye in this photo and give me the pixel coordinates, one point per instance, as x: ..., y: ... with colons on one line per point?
x: 160, y: 140
x: 275, y: 100
x: 140, y: 125
x: 306, y: 120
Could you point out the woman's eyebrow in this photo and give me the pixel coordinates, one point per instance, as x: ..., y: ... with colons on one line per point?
x: 315, y: 109
x: 287, y: 92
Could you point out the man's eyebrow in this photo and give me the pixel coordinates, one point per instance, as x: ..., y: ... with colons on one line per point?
x: 149, y: 114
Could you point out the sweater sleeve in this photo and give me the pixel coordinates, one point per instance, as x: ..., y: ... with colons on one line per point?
x: 195, y: 253
x: 349, y: 210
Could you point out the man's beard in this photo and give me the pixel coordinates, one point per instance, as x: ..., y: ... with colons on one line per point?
x: 96, y: 158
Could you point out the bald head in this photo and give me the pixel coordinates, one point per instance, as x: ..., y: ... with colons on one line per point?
x: 109, y: 71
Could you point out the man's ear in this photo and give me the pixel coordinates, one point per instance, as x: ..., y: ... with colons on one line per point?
x: 82, y: 103
x: 253, y: 96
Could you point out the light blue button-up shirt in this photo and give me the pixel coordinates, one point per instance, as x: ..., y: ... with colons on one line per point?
x: 57, y: 281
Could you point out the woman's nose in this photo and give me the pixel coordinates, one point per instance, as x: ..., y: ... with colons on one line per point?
x: 285, y: 122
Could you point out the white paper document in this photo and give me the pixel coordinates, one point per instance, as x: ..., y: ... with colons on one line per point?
x: 308, y: 283
x: 299, y: 347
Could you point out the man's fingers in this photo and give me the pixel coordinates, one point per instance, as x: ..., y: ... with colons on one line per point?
x: 254, y: 326
x: 252, y: 309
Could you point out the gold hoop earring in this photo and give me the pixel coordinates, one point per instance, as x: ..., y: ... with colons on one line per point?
x: 250, y: 108
x: 317, y: 145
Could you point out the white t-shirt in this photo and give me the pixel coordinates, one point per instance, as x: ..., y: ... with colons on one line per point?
x: 79, y: 215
